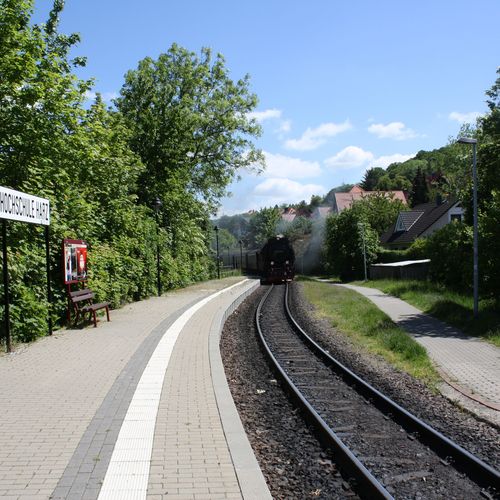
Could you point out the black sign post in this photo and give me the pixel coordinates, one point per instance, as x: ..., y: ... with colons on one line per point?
x: 49, y: 289
x: 6, y: 286
x: 22, y: 207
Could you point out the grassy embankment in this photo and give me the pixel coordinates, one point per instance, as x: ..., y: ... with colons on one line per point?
x: 368, y: 327
x: 451, y: 307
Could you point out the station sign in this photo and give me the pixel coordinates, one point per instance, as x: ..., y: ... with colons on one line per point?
x: 23, y: 207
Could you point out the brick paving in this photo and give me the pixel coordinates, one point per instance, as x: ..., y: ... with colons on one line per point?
x: 189, y: 452
x: 467, y: 362
x: 54, y: 440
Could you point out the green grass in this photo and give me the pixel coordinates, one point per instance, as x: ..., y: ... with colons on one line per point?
x: 228, y: 272
x: 447, y: 305
x: 368, y: 327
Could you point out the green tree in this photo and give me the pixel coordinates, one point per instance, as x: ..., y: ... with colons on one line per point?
x: 488, y: 163
x: 419, y: 189
x: 380, y: 211
x: 371, y: 178
x: 237, y: 225
x: 263, y: 225
x: 397, y: 182
x: 226, y: 240
x: 298, y: 228
x: 40, y: 109
x: 368, y: 217
x: 344, y: 236
x: 189, y: 125
x: 316, y: 201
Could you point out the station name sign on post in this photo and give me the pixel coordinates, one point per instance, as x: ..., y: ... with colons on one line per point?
x: 23, y: 207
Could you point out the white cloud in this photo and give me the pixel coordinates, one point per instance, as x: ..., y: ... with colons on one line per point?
x: 106, y: 96
x: 464, y: 117
x: 315, y: 137
x: 294, y: 168
x: 393, y: 130
x: 277, y: 191
x: 354, y: 157
x: 285, y: 126
x: 267, y: 114
x: 349, y: 157
x: 385, y: 161
x: 272, y: 114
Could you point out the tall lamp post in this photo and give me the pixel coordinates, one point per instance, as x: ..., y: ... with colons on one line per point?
x: 157, y: 210
x: 241, y: 256
x: 217, y: 247
x: 361, y: 227
x: 470, y: 140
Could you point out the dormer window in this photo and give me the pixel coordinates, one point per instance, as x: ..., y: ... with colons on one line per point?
x: 407, y: 219
x: 400, y: 225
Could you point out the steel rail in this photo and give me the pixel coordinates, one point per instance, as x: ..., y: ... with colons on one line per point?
x: 366, y: 484
x: 474, y: 468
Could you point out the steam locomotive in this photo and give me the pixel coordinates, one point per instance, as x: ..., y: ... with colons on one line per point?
x: 275, y: 262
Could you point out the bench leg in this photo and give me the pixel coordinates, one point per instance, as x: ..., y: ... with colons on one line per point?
x: 95, y: 319
x: 107, y: 312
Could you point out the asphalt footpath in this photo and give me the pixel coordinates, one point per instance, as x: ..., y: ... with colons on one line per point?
x: 136, y: 408
x: 469, y: 366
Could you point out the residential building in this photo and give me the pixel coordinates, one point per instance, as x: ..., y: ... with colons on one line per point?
x: 422, y: 220
x: 345, y: 200
x: 288, y: 214
x: 321, y: 213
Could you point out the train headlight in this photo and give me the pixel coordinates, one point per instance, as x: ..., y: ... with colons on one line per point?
x: 272, y: 263
x: 287, y: 262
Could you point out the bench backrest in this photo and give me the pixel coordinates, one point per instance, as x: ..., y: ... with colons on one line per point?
x: 81, y: 295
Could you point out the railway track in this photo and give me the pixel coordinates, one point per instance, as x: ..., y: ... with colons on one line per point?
x: 384, y: 449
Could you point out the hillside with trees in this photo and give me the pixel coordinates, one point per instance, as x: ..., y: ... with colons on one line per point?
x: 444, y: 172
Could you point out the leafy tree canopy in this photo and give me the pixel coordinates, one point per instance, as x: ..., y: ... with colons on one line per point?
x: 189, y: 124
x: 419, y: 191
x: 263, y: 225
x: 371, y: 178
x: 346, y: 236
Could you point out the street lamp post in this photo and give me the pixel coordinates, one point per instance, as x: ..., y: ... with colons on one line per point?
x: 361, y: 227
x: 241, y: 256
x: 470, y: 140
x: 158, y: 204
x: 217, y: 247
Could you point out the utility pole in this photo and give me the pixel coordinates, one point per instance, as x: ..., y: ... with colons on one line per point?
x: 361, y: 227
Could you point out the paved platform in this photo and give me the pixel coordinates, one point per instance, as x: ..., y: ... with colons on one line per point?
x: 468, y: 364
x: 136, y: 408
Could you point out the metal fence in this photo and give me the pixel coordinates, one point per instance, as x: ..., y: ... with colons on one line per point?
x: 405, y: 270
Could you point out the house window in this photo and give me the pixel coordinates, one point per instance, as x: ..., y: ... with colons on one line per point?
x: 399, y: 225
x: 456, y: 218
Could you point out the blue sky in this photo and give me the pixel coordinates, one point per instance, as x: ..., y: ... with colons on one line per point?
x: 342, y: 86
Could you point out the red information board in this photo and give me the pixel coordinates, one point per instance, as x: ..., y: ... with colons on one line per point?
x: 75, y: 261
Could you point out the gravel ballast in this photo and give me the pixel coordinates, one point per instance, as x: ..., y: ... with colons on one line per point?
x: 292, y: 461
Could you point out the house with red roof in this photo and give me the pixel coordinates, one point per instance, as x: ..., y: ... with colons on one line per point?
x: 289, y: 214
x: 342, y: 201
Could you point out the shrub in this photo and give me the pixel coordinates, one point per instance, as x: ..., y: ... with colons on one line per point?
x: 450, y: 251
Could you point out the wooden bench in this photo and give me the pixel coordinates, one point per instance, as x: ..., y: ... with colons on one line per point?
x: 82, y: 303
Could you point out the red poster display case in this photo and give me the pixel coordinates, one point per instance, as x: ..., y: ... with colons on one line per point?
x: 74, y: 261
